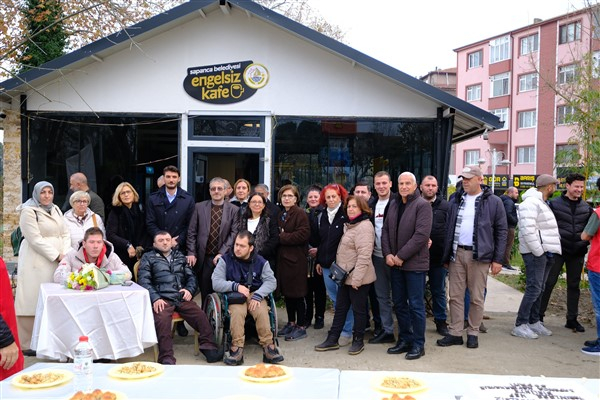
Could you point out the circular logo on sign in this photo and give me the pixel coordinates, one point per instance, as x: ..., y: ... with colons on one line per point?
x: 256, y: 76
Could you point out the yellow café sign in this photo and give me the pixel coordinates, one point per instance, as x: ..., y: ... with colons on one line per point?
x: 225, y: 83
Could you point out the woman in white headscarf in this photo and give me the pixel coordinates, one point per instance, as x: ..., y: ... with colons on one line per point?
x: 46, y: 241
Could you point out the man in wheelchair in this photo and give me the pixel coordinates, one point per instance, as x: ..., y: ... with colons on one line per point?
x: 247, y: 279
x: 171, y: 283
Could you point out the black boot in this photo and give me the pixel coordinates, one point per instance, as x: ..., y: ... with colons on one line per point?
x: 357, y: 346
x: 331, y: 343
x: 441, y: 327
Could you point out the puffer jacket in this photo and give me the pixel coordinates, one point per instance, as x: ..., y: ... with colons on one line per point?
x: 538, y: 230
x: 439, y: 226
x: 164, y: 278
x: 571, y: 224
x: 355, y: 250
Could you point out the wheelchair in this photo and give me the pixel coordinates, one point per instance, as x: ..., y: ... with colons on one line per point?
x: 216, y: 308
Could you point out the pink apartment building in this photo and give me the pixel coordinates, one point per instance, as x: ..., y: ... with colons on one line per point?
x: 509, y: 75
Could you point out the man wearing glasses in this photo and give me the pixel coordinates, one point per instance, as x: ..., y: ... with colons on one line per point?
x: 212, y: 230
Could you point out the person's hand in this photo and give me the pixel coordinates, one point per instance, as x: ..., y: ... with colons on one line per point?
x: 216, y: 259
x: 319, y: 269
x: 9, y: 355
x: 60, y: 257
x: 429, y: 243
x: 174, y: 242
x: 159, y: 305
x: 389, y: 260
x: 446, y: 266
x: 131, y: 251
x: 398, y: 261
x: 187, y: 296
x: 312, y: 252
x: 191, y: 260
x: 244, y: 290
x: 355, y: 287
x: 496, y: 268
x: 253, y: 305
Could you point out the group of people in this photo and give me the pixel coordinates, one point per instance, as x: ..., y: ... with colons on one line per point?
x: 386, y: 246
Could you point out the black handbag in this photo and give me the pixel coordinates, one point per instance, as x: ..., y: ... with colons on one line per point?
x: 338, y: 274
x: 237, y: 297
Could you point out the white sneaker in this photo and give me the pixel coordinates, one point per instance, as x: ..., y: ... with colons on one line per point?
x: 524, y: 331
x: 540, y: 329
x: 344, y: 340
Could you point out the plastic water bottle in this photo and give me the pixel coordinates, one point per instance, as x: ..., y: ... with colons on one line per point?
x: 82, y: 365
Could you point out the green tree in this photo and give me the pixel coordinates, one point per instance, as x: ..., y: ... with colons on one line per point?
x: 44, y: 30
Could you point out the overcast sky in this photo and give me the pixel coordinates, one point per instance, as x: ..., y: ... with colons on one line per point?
x: 416, y: 36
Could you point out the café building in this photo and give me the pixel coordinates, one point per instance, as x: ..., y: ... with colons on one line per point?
x: 223, y: 88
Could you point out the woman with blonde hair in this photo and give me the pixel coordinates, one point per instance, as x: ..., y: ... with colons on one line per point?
x: 126, y: 224
x: 241, y: 191
x: 46, y: 241
x: 80, y: 217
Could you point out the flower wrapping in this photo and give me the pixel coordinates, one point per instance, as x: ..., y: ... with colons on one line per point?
x: 89, y: 277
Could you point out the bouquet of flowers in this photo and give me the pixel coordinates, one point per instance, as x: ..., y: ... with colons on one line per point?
x: 89, y: 277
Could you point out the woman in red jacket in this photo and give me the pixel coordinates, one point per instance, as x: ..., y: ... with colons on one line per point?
x: 11, y: 358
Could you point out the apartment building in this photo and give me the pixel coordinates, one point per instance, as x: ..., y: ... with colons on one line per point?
x: 515, y: 75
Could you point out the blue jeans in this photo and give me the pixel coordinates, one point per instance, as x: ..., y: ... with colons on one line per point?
x: 408, y: 295
x: 437, y: 286
x: 594, y: 279
x: 332, y: 290
x: 536, y: 273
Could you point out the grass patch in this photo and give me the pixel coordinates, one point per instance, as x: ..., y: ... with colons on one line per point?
x: 513, y: 281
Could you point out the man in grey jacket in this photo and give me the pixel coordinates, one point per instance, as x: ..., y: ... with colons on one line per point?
x: 247, y: 273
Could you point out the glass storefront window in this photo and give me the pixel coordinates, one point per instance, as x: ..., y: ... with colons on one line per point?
x: 319, y: 151
x: 245, y: 127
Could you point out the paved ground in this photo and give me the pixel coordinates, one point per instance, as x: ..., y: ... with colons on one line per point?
x: 499, y: 352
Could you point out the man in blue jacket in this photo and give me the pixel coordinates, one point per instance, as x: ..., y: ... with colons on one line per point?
x: 475, y: 244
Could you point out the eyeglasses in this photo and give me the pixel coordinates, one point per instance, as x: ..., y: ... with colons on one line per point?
x: 81, y: 202
x: 216, y: 189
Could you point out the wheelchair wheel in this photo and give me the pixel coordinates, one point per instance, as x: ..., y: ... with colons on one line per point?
x: 273, y: 317
x: 214, y: 312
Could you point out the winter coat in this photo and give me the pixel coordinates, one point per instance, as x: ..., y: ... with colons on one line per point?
x: 292, y: 264
x: 77, y: 230
x: 127, y: 226
x: 490, y: 228
x: 164, y: 278
x: 408, y: 238
x: 571, y: 224
x: 231, y: 272
x: 538, y: 230
x: 510, y: 207
x: 328, y: 235
x: 170, y: 217
x: 355, y: 251
x: 439, y: 227
x: 8, y: 322
x: 46, y: 237
x: 266, y: 236
x: 73, y: 261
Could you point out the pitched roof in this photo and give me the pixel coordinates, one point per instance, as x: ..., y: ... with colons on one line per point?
x: 469, y: 120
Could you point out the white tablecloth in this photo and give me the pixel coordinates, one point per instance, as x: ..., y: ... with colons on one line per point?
x: 442, y: 386
x: 183, y: 382
x: 118, y: 321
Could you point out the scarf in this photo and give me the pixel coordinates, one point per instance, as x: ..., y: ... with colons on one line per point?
x: 100, y: 256
x: 34, y: 201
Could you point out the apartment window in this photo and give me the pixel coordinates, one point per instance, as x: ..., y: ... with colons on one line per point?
x: 566, y: 73
x: 499, y: 85
x: 528, y: 82
x: 471, y: 157
x: 499, y: 49
x: 527, y: 119
x: 475, y: 59
x: 501, y: 113
x: 474, y: 93
x: 569, y: 33
x: 525, y: 155
x: 529, y: 44
x: 563, y: 113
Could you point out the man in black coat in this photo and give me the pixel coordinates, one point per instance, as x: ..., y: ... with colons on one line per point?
x: 171, y: 284
x: 572, y: 214
x: 510, y: 206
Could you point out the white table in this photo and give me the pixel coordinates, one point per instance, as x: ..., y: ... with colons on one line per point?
x: 183, y: 382
x: 118, y: 321
x: 442, y: 386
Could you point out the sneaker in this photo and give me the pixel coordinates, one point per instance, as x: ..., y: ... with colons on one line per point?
x: 540, y: 329
x: 213, y: 355
x: 235, y: 357
x: 509, y: 267
x: 524, y: 331
x: 271, y: 354
x: 286, y: 330
x: 482, y: 328
x: 344, y: 341
x: 575, y: 325
x: 297, y: 333
x: 592, y: 343
x: 592, y: 350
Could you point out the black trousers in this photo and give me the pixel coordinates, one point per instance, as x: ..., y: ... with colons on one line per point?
x: 316, y: 289
x: 346, y: 297
x: 574, y: 267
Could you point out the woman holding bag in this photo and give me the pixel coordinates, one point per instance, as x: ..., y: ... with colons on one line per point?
x: 353, y: 256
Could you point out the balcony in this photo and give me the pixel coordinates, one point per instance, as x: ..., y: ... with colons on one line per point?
x: 498, y: 137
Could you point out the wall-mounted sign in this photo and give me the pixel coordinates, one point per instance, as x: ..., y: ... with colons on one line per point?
x: 501, y: 181
x: 524, y: 181
x: 225, y: 83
